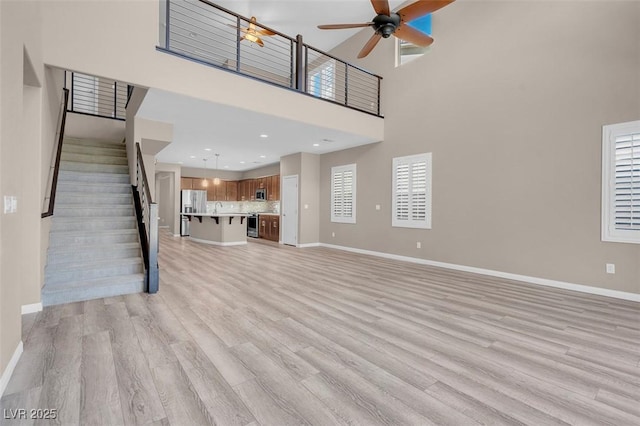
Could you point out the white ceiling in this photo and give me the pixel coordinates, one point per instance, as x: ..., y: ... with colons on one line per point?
x: 234, y: 134
x: 238, y: 141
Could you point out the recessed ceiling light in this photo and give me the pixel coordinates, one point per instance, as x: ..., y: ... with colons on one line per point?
x: 207, y: 149
x: 264, y: 136
x: 242, y: 162
x: 263, y: 156
x: 193, y: 156
x: 316, y: 144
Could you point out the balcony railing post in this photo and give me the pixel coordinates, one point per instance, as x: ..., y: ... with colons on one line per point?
x: 378, y: 95
x: 73, y: 79
x: 293, y: 65
x: 346, y: 84
x: 300, y: 66
x: 167, y: 25
x: 238, y: 44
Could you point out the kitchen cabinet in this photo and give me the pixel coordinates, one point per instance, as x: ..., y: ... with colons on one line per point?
x: 269, y: 227
x: 199, y: 183
x: 261, y: 183
x: 273, y: 188
x: 221, y: 191
x: 232, y: 190
x: 242, y: 190
x: 186, y: 183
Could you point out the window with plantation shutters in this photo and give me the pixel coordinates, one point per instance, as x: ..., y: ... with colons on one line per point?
x: 411, y: 204
x: 343, y: 194
x: 621, y: 182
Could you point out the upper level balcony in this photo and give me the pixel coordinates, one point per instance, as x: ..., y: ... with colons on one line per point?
x: 202, y: 31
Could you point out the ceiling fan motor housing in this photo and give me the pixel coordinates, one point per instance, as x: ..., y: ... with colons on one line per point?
x: 386, y: 25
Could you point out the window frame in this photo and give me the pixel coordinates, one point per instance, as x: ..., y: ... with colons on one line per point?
x: 334, y: 171
x: 426, y: 223
x: 609, y: 232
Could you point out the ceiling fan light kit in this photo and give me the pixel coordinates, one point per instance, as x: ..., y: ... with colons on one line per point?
x: 387, y: 23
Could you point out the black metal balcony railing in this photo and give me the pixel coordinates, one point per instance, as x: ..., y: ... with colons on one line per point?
x: 97, y: 96
x: 212, y: 35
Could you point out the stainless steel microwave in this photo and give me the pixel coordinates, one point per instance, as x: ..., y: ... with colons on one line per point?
x: 261, y: 194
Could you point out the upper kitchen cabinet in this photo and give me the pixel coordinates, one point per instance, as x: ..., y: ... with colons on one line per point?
x: 232, y: 191
x: 273, y: 188
x: 186, y: 183
x: 200, y: 183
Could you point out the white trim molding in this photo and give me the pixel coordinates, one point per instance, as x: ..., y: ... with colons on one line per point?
x: 217, y: 243
x: 8, y: 372
x: 634, y: 297
x: 32, y: 308
x: 305, y: 245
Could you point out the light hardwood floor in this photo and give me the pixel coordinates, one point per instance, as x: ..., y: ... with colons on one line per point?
x: 273, y: 335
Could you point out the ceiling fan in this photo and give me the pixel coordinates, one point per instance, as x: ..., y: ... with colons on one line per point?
x: 387, y: 23
x: 253, y: 32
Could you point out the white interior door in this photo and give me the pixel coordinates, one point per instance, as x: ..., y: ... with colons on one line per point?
x: 289, y: 200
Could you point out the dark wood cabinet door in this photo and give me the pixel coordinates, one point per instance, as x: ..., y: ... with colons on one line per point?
x: 263, y: 231
x: 274, y: 193
x: 199, y: 183
x: 186, y: 183
x: 211, y: 193
x: 275, y: 228
x: 221, y: 191
x: 232, y: 191
x: 252, y: 189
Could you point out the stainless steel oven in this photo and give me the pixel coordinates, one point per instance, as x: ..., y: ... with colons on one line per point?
x: 252, y: 226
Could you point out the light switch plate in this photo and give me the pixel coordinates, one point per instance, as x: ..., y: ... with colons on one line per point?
x: 7, y: 204
x: 377, y: 206
x: 611, y: 268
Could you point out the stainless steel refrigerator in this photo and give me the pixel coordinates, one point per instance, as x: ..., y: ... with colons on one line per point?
x: 191, y: 201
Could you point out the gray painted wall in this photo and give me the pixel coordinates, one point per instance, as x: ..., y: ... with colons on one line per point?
x: 510, y: 100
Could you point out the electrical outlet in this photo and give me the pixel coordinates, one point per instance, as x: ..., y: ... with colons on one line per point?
x: 333, y: 234
x: 611, y: 268
x: 377, y: 206
x: 418, y: 244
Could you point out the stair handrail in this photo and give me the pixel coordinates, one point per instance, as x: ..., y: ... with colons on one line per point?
x: 147, y: 214
x: 54, y: 169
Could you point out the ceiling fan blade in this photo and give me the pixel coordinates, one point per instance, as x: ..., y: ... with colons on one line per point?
x: 265, y: 32
x: 407, y: 33
x: 343, y: 26
x: 421, y: 8
x: 369, y: 46
x: 381, y: 7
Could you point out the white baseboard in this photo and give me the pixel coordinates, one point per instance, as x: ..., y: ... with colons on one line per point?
x: 6, y: 374
x: 308, y: 245
x: 176, y: 235
x: 217, y: 243
x: 163, y: 226
x: 634, y: 297
x: 30, y: 309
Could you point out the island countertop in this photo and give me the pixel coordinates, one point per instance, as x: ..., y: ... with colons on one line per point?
x: 215, y: 214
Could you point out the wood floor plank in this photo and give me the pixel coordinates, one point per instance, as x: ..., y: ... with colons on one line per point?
x: 11, y: 404
x: 180, y: 400
x: 222, y: 403
x: 139, y: 398
x: 61, y: 387
x: 100, y: 397
x: 289, y: 394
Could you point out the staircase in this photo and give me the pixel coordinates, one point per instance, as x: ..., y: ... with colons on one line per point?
x: 94, y: 248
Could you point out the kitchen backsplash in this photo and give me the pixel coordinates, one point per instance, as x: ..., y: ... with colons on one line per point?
x: 244, y: 206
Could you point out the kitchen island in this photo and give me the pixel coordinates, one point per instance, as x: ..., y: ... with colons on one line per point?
x: 222, y: 229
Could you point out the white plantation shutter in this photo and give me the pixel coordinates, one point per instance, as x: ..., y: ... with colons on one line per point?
x: 621, y: 182
x: 343, y: 194
x: 411, y: 204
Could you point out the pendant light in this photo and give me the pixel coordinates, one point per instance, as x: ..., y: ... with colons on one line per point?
x: 205, y: 183
x: 216, y: 180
